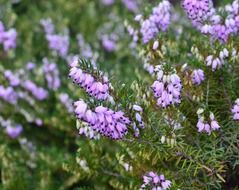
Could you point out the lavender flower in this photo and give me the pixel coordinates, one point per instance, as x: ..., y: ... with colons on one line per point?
x: 220, y: 32
x: 197, y: 10
x: 13, y: 79
x: 103, y: 120
x: 86, y: 81
x: 30, y: 66
x: 109, y: 44
x: 7, y: 38
x: 15, y: 131
x: 51, y: 74
x: 154, y: 181
x: 209, y: 21
x: 197, y: 76
x: 48, y: 26
x: 158, y: 21
x: 59, y: 43
x: 235, y: 110
x: 8, y: 94
x: 131, y: 5
x: 38, y: 92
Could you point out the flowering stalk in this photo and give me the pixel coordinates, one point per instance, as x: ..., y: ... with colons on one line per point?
x: 7, y: 38
x: 99, y: 90
x: 51, y: 74
x: 158, y: 21
x: 103, y: 120
x: 167, y: 88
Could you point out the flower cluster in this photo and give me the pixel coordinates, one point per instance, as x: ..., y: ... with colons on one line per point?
x: 103, y: 120
x: 155, y: 182
x: 131, y: 5
x: 235, y: 110
x: 109, y: 43
x: 51, y: 73
x: 217, y: 62
x: 197, y: 10
x: 14, y: 131
x: 204, y: 126
x: 8, y: 94
x: 7, y: 38
x: 99, y: 90
x: 158, y: 21
x: 167, y: 88
x: 197, y: 76
x: 38, y: 92
x: 57, y: 42
x: 210, y: 21
x: 12, y: 78
x: 47, y: 25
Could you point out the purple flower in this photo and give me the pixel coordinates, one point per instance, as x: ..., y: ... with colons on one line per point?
x: 167, y: 89
x: 235, y: 110
x: 198, y: 76
x: 197, y: 10
x: 7, y: 38
x: 99, y: 90
x: 217, y: 62
x: 13, y: 79
x: 131, y: 5
x: 220, y: 32
x: 38, y: 92
x: 154, y: 181
x: 14, y: 132
x: 48, y: 26
x: 109, y: 44
x: 158, y: 21
x: 207, y: 127
x: 59, y: 43
x: 51, y: 74
x: 103, y: 120
x: 148, y: 30
x: 8, y: 94
x: 30, y: 66
x: 38, y: 122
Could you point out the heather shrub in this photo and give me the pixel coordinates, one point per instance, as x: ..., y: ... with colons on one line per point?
x: 119, y: 94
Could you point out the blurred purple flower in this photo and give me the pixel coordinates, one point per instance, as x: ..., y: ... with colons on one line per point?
x: 51, y: 74
x: 14, y: 132
x: 38, y: 92
x: 109, y: 44
x: 8, y: 94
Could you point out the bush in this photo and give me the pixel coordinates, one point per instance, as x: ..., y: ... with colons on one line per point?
x: 153, y: 103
